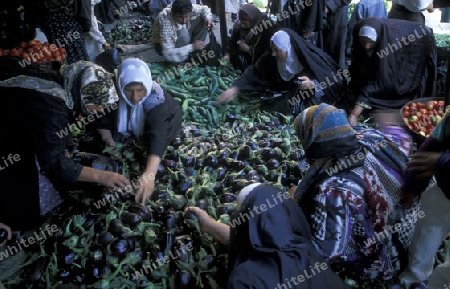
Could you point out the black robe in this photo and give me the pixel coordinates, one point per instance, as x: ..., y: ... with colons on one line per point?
x: 272, y: 248
x: 317, y: 65
x: 405, y: 73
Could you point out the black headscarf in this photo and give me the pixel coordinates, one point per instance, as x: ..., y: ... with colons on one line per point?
x: 264, y: 74
x: 403, y: 74
x: 272, y: 247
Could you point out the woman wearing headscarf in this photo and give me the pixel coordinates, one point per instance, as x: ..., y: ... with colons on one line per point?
x: 291, y: 59
x: 144, y: 110
x: 393, y: 62
x: 269, y: 243
x: 250, y: 37
x: 351, y: 193
x: 36, y: 123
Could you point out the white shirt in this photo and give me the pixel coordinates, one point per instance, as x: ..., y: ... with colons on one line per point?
x: 413, y: 5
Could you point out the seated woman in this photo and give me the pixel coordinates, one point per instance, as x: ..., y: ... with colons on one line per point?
x: 291, y: 59
x: 393, y: 62
x: 272, y: 248
x: 351, y: 193
x: 145, y: 110
x: 250, y: 37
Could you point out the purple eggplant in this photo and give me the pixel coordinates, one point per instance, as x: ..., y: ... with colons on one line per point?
x: 218, y: 188
x: 221, y: 173
x: 201, y: 203
x: 295, y: 156
x: 141, y: 210
x: 200, y: 163
x: 99, y: 225
x: 39, y: 268
x: 187, y: 161
x: 273, y: 164
x: 168, y: 163
x: 223, y: 155
x: 104, y: 238
x: 116, y: 227
x: 184, y: 279
x: 211, y: 161
x: 244, y: 152
x: 168, y: 242
x: 252, y: 145
x: 267, y: 153
x: 130, y: 219
x: 239, y: 184
x: 159, y: 195
x: 184, y: 186
x: 119, y: 248
x: 190, y: 172
x: 161, y: 171
x: 227, y: 198
x: 171, y: 221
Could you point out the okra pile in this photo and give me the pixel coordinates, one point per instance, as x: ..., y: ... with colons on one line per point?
x: 130, y: 32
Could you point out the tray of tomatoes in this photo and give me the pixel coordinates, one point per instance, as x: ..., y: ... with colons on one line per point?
x: 36, y: 52
x: 422, y: 115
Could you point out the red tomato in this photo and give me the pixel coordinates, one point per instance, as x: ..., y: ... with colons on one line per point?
x: 412, y: 105
x: 441, y: 103
x: 406, y: 113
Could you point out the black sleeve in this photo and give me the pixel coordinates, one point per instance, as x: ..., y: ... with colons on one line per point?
x: 107, y: 119
x: 160, y: 124
x: 44, y: 118
x: 232, y: 44
x: 334, y: 5
x: 260, y: 76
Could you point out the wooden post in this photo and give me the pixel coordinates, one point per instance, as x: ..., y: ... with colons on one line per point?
x: 223, y: 23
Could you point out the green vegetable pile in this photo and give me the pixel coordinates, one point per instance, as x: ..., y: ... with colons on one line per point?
x: 442, y: 40
x: 130, y: 32
x: 106, y: 240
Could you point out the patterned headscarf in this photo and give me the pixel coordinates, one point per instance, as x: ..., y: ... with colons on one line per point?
x: 86, y: 83
x: 322, y: 125
x: 132, y: 116
x: 291, y: 66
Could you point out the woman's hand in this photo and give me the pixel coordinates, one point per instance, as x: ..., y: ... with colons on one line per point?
x: 146, y: 188
x: 243, y: 46
x: 113, y: 180
x: 226, y: 58
x: 8, y: 230
x: 204, y: 220
x: 210, y: 24
x: 424, y: 162
x: 306, y: 83
x: 228, y: 95
x: 106, y: 45
x: 353, y: 120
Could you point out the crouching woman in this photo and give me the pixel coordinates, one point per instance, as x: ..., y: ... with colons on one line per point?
x: 144, y: 110
x: 269, y: 245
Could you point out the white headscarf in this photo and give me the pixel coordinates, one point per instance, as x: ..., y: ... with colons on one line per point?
x: 131, y: 116
x: 369, y: 32
x: 244, y: 193
x: 291, y: 66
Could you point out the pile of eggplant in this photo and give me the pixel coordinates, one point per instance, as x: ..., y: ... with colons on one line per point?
x: 106, y: 240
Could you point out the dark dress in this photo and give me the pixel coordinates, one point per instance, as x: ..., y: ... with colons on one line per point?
x: 65, y: 26
x: 396, y: 73
x: 259, y: 43
x: 317, y: 65
x: 162, y: 125
x: 270, y: 249
x: 30, y: 121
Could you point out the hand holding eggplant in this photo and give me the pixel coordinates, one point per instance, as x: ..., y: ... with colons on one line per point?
x: 201, y: 217
x: 145, y: 189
